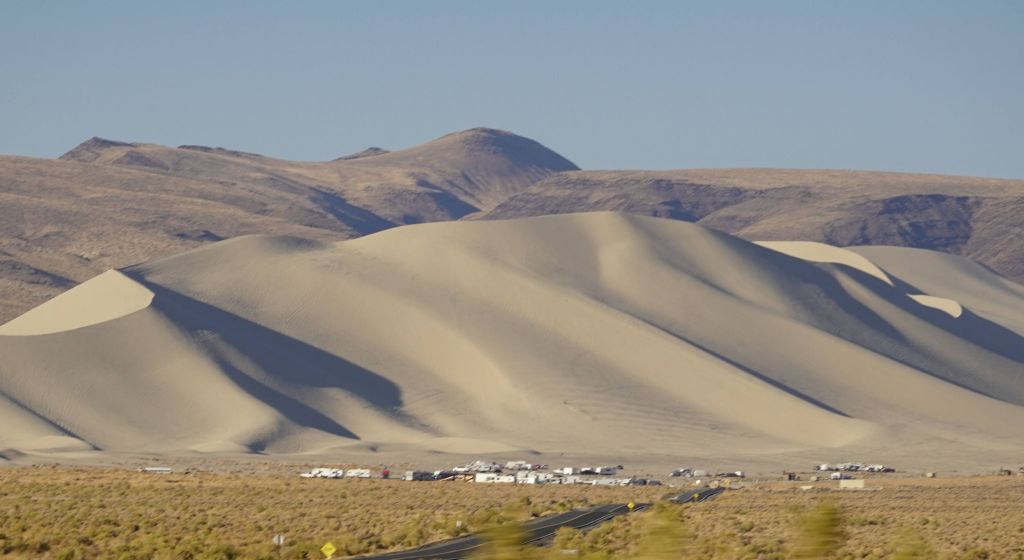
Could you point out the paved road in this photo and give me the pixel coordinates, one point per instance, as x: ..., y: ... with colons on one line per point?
x: 698, y: 495
x: 539, y: 530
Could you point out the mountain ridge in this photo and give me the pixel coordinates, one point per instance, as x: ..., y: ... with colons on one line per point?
x: 107, y: 203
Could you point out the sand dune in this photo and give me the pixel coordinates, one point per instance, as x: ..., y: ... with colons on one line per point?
x: 103, y: 298
x: 981, y: 290
x: 587, y: 334
x: 822, y: 252
x: 825, y: 253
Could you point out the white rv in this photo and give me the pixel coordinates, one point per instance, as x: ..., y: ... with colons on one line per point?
x: 324, y: 472
x: 494, y: 478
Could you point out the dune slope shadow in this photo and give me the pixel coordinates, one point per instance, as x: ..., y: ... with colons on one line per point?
x: 983, y: 332
x: 793, y: 392
x: 969, y: 327
x: 290, y: 361
x: 57, y: 426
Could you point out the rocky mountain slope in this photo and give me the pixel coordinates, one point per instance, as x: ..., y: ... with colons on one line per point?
x: 108, y: 204
x: 975, y: 217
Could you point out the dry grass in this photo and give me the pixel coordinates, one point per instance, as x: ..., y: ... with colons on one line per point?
x: 90, y: 513
x: 969, y: 517
x: 87, y: 513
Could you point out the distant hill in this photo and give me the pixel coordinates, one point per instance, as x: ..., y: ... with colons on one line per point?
x: 975, y: 217
x: 108, y: 204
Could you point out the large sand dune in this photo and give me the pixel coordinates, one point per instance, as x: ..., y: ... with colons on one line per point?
x: 588, y: 334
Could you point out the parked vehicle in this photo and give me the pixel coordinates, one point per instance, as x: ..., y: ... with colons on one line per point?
x: 324, y: 472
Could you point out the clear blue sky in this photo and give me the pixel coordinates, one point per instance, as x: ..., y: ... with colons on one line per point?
x: 896, y: 85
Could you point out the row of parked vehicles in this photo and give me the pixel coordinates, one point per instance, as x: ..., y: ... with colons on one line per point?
x: 518, y: 466
x: 853, y: 467
x: 327, y: 472
x: 697, y: 473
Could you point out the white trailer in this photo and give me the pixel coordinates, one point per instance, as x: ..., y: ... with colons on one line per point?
x: 479, y: 466
x: 323, y: 472
x: 357, y: 473
x: 606, y: 482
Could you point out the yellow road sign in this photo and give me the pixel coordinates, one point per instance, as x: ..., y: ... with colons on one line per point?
x: 328, y: 549
x: 631, y: 505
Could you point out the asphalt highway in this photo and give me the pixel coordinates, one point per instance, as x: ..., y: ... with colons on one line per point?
x: 539, y: 531
x: 698, y: 495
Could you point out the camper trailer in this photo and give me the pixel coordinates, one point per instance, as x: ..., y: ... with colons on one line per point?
x: 494, y: 478
x: 323, y: 472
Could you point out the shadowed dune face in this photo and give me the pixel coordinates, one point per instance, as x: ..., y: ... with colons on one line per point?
x: 584, y: 334
x: 956, y: 278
